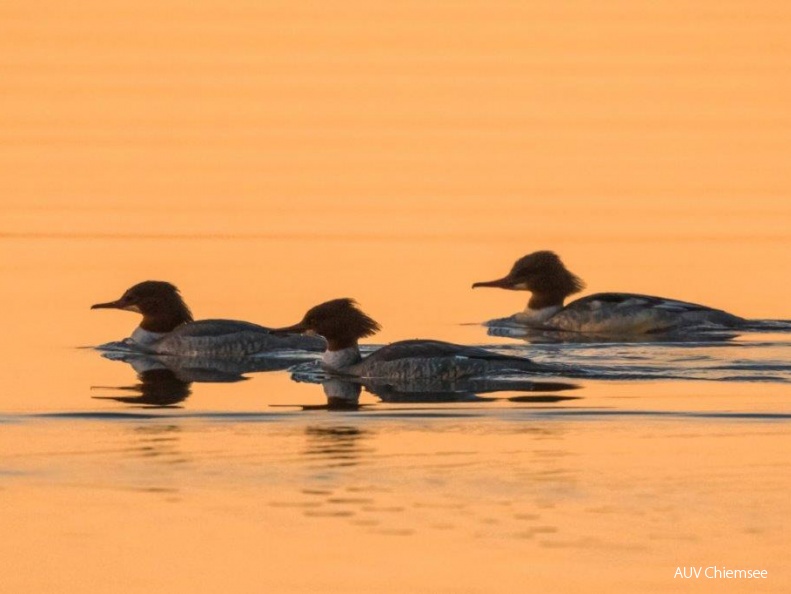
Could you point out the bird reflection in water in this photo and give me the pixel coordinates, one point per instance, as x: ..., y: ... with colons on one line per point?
x: 158, y: 388
x: 343, y: 393
x: 165, y: 381
x: 336, y: 445
x: 543, y: 336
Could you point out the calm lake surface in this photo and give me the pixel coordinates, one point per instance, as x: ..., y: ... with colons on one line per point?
x: 113, y: 482
x: 266, y: 157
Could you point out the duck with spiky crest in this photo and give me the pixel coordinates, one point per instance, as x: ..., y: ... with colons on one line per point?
x: 342, y: 323
x: 545, y: 276
x: 167, y: 328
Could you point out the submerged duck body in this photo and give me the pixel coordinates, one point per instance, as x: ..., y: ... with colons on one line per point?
x: 436, y: 360
x: 343, y: 324
x: 550, y: 282
x: 631, y: 313
x: 224, y: 339
x: 168, y: 328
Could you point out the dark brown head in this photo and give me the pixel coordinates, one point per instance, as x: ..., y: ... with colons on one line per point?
x: 543, y: 274
x: 160, y: 303
x: 340, y: 321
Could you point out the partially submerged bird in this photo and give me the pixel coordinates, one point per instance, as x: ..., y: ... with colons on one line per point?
x: 167, y: 328
x: 550, y: 282
x: 343, y: 324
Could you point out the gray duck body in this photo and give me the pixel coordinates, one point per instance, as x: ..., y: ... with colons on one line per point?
x: 436, y: 360
x: 227, y: 339
x: 632, y: 313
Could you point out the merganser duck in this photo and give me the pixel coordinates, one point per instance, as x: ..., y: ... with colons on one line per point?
x: 550, y: 282
x: 168, y: 328
x: 343, y: 324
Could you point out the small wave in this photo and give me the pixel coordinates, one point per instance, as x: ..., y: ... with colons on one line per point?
x: 250, y: 417
x: 725, y: 415
x: 119, y: 349
x: 460, y: 411
x: 767, y: 326
x: 754, y: 366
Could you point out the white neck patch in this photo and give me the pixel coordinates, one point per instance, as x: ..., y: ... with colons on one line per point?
x: 145, y: 337
x: 538, y: 316
x: 338, y: 360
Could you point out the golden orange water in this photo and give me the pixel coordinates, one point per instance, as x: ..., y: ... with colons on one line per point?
x: 266, y: 156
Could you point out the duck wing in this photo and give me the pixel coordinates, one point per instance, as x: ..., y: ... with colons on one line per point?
x: 633, y: 313
x: 232, y: 338
x: 430, y: 349
x: 420, y: 360
x: 215, y: 328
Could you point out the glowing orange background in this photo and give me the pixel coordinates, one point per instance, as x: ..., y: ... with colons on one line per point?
x: 396, y: 152
x: 266, y: 156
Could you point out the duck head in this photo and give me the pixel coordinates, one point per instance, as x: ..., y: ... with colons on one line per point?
x: 544, y: 275
x: 159, y: 302
x: 340, y: 321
